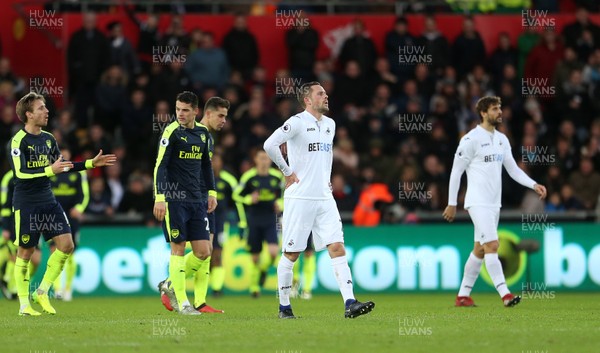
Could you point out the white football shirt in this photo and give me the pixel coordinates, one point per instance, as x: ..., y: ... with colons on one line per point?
x: 482, y: 154
x: 309, y: 152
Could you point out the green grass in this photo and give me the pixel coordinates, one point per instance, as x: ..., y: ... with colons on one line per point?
x: 399, y: 323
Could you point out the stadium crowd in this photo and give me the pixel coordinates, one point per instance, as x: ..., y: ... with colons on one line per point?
x: 398, y: 123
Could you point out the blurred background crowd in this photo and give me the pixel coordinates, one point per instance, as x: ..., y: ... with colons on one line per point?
x: 398, y: 124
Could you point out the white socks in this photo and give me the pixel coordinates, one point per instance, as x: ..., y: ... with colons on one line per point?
x: 494, y: 268
x: 343, y: 276
x: 472, y: 268
x: 285, y: 276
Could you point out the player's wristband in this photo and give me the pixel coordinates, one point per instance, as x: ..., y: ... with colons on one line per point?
x: 160, y: 198
x: 48, y: 171
x: 89, y: 164
x: 212, y: 193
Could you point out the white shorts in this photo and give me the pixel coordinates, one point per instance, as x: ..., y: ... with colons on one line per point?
x: 485, y: 220
x: 300, y: 217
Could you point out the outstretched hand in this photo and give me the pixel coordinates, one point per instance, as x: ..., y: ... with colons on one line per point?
x: 102, y: 160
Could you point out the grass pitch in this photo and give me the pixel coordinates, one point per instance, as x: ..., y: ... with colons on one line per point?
x: 399, y: 323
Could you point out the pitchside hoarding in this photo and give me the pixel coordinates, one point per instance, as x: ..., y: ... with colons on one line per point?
x: 407, y: 258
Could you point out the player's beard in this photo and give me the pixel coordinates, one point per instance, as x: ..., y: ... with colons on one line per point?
x: 495, y: 122
x: 323, y: 109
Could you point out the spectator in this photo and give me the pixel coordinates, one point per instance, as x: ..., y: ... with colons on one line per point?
x: 87, y: 58
x: 6, y: 74
x: 115, y: 184
x: 570, y: 201
x: 195, y: 39
x: 122, y: 53
x: 352, y: 88
x: 343, y: 193
x: 543, y: 59
x: 175, y: 36
x: 564, y: 68
x: 99, y: 199
x: 436, y: 45
x: 110, y: 98
x: 425, y: 81
x: 397, y: 41
x: 433, y: 170
x: 137, y: 126
x: 572, y: 32
x: 148, y: 37
x: 586, y: 183
x: 207, y: 66
x: 7, y: 98
x: 68, y: 130
x: 503, y: 55
x: 555, y: 203
x: 525, y: 44
x: 343, y: 153
x: 586, y: 45
x: 8, y: 128
x: 138, y: 199
x: 574, y: 103
x: 359, y: 48
x: 385, y: 76
x: 591, y: 76
x: 302, y: 43
x: 255, y: 125
x: 382, y: 107
x: 169, y: 81
x: 468, y: 49
x: 241, y: 48
x: 410, y: 93
x: 98, y: 139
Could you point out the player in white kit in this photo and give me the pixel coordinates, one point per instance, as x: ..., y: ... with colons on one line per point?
x: 481, y: 153
x: 308, y: 200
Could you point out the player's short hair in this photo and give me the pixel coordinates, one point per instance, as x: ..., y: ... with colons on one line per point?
x: 305, y: 90
x: 483, y: 104
x: 25, y: 105
x: 188, y: 97
x: 214, y: 103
